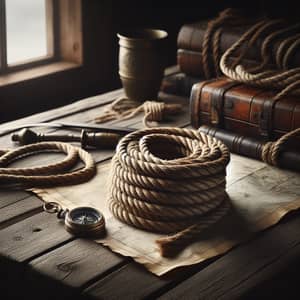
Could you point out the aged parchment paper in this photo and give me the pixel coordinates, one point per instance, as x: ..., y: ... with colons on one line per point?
x: 260, y: 194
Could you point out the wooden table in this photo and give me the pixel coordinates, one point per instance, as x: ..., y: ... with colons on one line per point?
x: 39, y: 258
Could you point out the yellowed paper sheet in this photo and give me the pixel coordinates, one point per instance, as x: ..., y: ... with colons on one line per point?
x: 260, y: 194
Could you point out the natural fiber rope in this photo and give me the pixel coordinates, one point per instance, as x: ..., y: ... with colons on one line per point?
x: 49, y: 175
x: 167, y: 180
x: 214, y: 30
x: 286, y: 80
x: 271, y: 150
x: 124, y: 108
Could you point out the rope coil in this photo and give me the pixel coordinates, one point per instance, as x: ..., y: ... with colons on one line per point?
x: 48, y: 175
x: 169, y: 180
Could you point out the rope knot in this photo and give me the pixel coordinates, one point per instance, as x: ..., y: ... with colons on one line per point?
x: 269, y: 155
x: 124, y: 108
x: 153, y: 110
x: 271, y: 150
x: 157, y: 111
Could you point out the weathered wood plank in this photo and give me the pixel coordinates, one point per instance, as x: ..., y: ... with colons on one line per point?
x: 32, y: 237
x: 19, y: 211
x: 240, y: 270
x: 133, y: 281
x: 18, y: 281
x: 129, y: 282
x: 78, y: 262
x: 8, y: 197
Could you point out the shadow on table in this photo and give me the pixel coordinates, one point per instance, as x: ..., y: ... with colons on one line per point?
x: 19, y: 281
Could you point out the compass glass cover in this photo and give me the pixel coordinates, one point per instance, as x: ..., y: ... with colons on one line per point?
x: 85, y: 216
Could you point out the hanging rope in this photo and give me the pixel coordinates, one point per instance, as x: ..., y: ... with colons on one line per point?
x: 211, y: 50
x: 169, y: 180
x: 272, y: 150
x: 281, y: 78
x: 211, y: 41
x: 48, y: 175
x: 124, y: 108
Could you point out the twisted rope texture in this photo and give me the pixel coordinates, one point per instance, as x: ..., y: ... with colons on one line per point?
x: 286, y: 80
x: 271, y: 150
x: 124, y: 108
x: 48, y: 175
x: 169, y: 180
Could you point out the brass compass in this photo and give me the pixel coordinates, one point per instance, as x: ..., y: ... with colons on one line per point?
x: 83, y: 221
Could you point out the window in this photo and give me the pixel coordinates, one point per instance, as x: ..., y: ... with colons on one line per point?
x: 83, y: 45
x: 27, y: 33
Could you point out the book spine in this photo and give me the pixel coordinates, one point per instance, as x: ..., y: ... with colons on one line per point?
x: 190, y: 62
x: 190, y: 36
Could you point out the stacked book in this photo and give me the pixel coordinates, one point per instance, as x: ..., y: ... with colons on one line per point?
x: 228, y: 105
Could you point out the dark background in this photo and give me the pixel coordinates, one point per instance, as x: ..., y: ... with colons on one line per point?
x: 101, y: 21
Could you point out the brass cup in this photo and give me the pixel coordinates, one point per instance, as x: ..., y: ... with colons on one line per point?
x: 142, y: 60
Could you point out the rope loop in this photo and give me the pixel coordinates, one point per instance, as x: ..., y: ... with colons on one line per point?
x: 271, y: 150
x: 280, y: 77
x: 48, y: 175
x: 169, y: 180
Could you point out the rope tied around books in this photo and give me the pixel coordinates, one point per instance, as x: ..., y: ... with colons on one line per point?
x: 123, y: 108
x: 271, y: 150
x: 281, y: 77
x: 47, y: 175
x: 169, y: 180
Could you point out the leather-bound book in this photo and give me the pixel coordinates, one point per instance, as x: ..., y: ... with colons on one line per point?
x: 242, y: 109
x: 190, y: 62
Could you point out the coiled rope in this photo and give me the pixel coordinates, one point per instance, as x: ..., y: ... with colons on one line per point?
x: 48, y: 175
x: 169, y: 180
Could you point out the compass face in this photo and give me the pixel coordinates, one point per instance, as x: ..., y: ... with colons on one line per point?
x: 85, y: 216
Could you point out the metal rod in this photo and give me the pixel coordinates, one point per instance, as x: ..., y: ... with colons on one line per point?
x: 77, y: 126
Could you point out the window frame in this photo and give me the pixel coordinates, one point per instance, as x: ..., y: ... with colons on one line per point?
x: 52, y: 30
x: 64, y: 40
x: 85, y: 66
